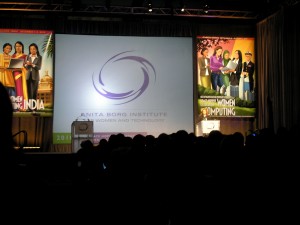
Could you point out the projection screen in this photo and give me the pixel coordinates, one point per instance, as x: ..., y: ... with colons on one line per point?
x: 129, y: 85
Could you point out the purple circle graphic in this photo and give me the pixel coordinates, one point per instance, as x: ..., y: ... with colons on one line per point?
x: 129, y: 62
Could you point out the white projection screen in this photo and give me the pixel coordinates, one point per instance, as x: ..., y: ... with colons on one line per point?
x: 129, y: 85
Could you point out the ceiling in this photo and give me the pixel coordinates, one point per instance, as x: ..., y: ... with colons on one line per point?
x: 218, y: 9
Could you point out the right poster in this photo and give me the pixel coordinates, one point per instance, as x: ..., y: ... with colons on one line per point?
x: 226, y: 77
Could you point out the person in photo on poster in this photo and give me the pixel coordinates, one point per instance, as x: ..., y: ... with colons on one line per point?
x: 19, y: 74
x: 216, y: 64
x: 235, y: 75
x: 33, y: 65
x: 6, y: 77
x: 204, y: 67
x: 248, y: 71
x: 226, y: 74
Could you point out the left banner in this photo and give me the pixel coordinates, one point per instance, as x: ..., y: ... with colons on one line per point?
x: 26, y: 69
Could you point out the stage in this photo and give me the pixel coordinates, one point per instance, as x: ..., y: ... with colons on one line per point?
x: 38, y: 127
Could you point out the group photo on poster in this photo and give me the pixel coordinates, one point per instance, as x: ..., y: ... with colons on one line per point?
x: 26, y: 69
x: 226, y: 77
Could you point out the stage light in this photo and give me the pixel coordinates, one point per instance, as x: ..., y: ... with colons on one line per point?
x: 182, y: 6
x: 205, y: 8
x: 149, y: 7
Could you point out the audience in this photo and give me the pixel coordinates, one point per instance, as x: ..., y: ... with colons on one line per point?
x: 174, y: 178
x: 6, y: 114
x: 9, y: 173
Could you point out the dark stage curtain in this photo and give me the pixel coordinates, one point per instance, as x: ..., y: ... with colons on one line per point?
x: 278, y: 70
x: 291, y: 67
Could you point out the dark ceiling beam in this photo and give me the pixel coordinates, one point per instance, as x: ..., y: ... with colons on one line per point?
x: 95, y: 10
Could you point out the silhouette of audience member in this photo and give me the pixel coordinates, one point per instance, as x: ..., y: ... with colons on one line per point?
x: 84, y: 157
x: 8, y: 155
x: 6, y: 113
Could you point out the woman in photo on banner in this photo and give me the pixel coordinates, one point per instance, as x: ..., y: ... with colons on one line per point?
x: 216, y: 64
x: 226, y: 74
x: 20, y: 73
x: 6, y: 77
x: 235, y: 75
x: 204, y: 67
x: 33, y: 65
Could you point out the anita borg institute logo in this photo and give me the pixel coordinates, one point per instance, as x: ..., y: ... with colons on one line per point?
x: 124, y: 77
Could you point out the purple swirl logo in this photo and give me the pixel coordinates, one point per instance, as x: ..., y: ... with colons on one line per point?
x: 124, y: 77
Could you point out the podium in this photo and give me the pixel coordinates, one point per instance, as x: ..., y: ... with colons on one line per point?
x: 80, y: 131
x: 210, y: 125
